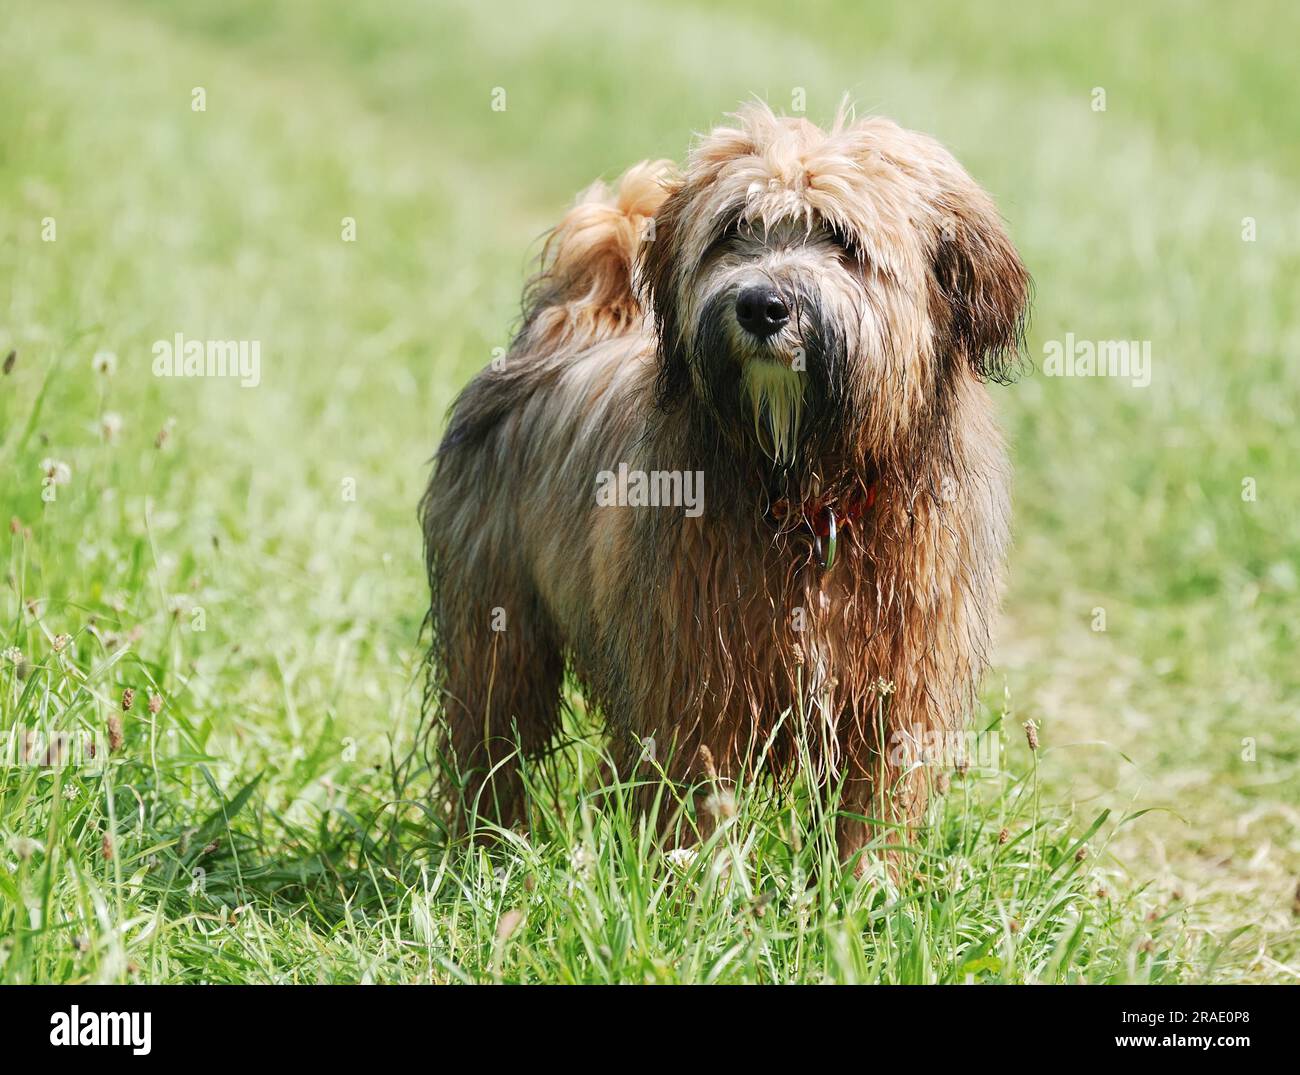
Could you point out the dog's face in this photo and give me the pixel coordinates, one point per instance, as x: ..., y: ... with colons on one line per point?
x: 818, y: 294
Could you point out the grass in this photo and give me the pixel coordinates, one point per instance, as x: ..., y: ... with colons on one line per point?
x: 259, y: 574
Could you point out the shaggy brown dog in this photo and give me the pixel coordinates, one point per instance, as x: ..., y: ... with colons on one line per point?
x: 801, y: 320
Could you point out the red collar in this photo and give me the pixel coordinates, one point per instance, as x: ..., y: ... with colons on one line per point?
x: 826, y: 517
x: 819, y: 512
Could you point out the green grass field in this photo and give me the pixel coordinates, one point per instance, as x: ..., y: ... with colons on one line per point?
x: 256, y: 580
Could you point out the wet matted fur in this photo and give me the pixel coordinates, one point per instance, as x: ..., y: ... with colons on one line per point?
x: 904, y: 295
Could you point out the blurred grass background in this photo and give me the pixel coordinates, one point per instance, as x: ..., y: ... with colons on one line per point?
x: 227, y: 224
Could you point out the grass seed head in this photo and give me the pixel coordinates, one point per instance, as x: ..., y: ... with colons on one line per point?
x: 110, y: 425
x: 164, y: 434
x: 1031, y: 734
x: 509, y: 923
x: 56, y: 471
x: 721, y: 804
x: 115, y: 736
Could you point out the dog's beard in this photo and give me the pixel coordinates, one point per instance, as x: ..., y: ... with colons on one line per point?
x: 775, y: 393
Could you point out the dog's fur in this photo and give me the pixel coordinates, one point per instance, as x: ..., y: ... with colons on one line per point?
x: 722, y: 631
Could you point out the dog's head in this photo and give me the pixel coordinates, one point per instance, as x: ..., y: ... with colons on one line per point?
x: 819, y: 292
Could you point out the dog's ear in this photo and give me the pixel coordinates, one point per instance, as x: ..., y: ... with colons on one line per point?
x: 983, y: 286
x: 659, y: 280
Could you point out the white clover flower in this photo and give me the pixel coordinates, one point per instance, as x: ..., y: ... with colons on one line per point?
x: 580, y: 859
x: 14, y: 654
x: 104, y: 363
x: 682, y: 858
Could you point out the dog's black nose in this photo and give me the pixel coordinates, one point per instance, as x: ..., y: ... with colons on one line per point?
x: 761, y: 311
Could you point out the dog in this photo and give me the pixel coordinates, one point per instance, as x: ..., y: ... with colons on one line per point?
x: 805, y: 320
